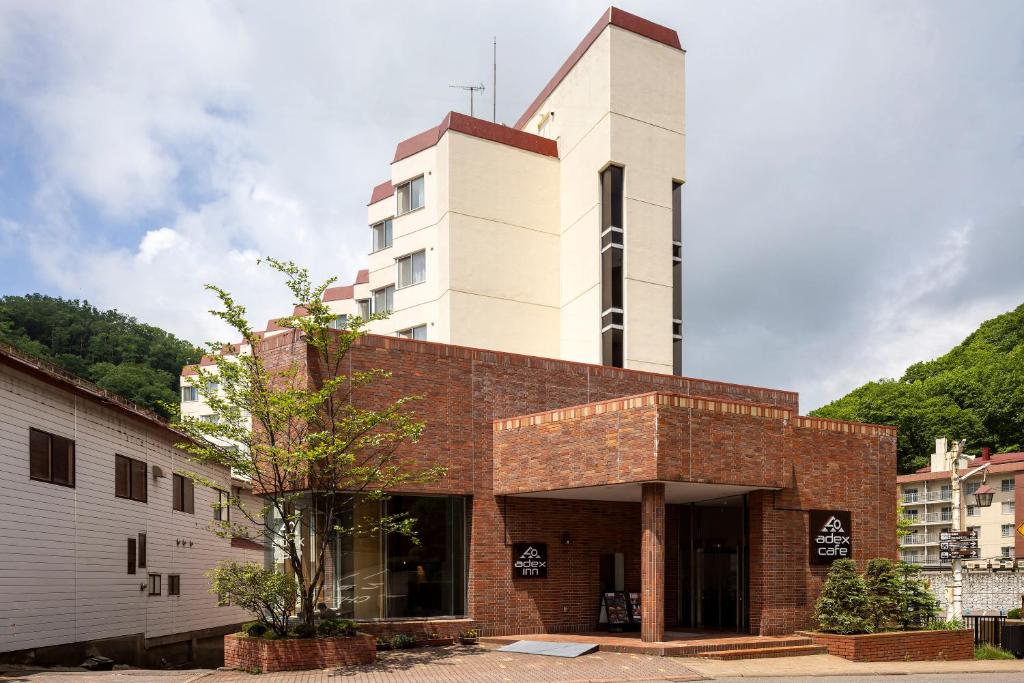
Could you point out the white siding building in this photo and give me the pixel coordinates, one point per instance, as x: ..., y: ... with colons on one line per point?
x: 90, y: 555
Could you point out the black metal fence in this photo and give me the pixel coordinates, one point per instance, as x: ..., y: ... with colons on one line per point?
x: 987, y: 628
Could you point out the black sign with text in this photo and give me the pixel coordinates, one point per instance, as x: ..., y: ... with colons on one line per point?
x: 830, y: 536
x: 530, y: 560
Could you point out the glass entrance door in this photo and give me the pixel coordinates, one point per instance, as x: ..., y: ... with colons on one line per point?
x: 713, y: 550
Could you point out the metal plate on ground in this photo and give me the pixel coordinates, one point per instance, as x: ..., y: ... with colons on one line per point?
x: 540, y: 647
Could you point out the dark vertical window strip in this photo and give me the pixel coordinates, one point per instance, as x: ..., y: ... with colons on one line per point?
x: 677, y: 278
x: 612, y: 262
x: 131, y: 555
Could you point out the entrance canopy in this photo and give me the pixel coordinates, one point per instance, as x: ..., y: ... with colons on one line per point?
x: 700, y: 448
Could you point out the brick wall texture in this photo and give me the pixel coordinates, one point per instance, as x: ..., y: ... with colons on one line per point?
x: 257, y: 654
x: 901, y: 646
x: 503, y: 423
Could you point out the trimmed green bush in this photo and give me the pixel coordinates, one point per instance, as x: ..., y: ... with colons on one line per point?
x: 255, y: 629
x: 332, y: 628
x: 843, y: 604
x: 1013, y: 613
x: 303, y: 630
x: 947, y: 625
x: 402, y: 641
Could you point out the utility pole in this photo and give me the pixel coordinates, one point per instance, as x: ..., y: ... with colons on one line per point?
x: 983, y: 498
x: 472, y: 89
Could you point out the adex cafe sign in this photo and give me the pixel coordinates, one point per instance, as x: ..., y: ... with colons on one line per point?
x: 830, y: 535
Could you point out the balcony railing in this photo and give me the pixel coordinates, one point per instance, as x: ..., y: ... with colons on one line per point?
x: 911, y: 498
x: 933, y: 496
x: 913, y: 539
x: 913, y: 558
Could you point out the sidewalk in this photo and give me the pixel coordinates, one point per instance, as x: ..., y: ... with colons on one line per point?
x: 827, y: 665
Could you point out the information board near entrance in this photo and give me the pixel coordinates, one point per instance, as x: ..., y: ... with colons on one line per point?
x: 830, y: 536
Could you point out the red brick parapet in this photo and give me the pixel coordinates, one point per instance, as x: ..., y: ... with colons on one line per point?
x: 898, y: 646
x: 297, y: 654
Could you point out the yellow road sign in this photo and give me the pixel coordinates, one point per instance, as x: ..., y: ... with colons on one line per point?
x: 1020, y: 529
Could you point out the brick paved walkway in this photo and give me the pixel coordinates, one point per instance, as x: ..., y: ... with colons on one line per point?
x: 456, y: 664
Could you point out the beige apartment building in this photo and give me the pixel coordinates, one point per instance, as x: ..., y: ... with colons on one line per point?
x: 106, y: 542
x: 559, y: 236
x: 925, y: 498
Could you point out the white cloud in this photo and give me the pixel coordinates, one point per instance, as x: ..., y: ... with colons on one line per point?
x: 154, y: 242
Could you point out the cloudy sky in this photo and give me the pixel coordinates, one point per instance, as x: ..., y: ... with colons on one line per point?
x: 855, y: 194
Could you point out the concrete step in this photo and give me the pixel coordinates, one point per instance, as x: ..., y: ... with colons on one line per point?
x: 765, y: 652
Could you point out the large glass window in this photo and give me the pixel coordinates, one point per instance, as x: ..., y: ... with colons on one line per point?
x: 381, y: 235
x: 412, y: 269
x: 384, y: 299
x: 394, y: 576
x: 51, y: 458
x: 410, y: 195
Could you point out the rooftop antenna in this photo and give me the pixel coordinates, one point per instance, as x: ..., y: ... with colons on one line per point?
x: 472, y: 89
x: 494, y: 83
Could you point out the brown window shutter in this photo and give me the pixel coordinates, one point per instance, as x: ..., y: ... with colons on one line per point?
x: 189, y: 496
x: 139, y: 480
x: 122, y: 483
x: 39, y: 455
x: 176, y: 494
x: 131, y: 555
x: 142, y: 550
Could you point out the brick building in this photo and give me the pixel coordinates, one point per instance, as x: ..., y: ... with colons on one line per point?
x: 695, y: 495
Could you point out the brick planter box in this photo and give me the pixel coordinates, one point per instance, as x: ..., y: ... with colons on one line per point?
x: 898, y: 646
x: 295, y: 654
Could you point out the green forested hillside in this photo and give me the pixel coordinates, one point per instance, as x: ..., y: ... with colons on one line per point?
x: 974, y: 392
x: 139, y: 362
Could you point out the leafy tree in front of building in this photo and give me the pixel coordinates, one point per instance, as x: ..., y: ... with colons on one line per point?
x: 309, y: 434
x: 974, y: 392
x: 139, y: 362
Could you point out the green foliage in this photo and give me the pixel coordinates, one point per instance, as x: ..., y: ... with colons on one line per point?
x: 1013, y: 613
x: 843, y: 604
x: 402, y: 641
x: 884, y: 585
x: 946, y: 625
x: 916, y: 605
x: 331, y: 628
x: 305, y: 435
x: 139, y: 362
x: 974, y: 392
x: 255, y: 629
x: 266, y: 594
x: 303, y: 630
x: 987, y: 651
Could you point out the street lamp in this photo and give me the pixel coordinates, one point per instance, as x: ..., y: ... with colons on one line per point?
x: 983, y: 498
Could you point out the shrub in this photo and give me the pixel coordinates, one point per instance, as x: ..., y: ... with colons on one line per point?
x: 987, y: 651
x: 469, y: 633
x: 266, y: 594
x: 916, y: 605
x: 402, y: 641
x: 843, y: 604
x: 884, y: 587
x: 1013, y: 613
x: 383, y: 643
x: 947, y: 625
x: 331, y: 628
x: 303, y: 630
x: 255, y: 629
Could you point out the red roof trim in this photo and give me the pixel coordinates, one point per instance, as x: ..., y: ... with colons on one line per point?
x: 478, y: 128
x: 363, y: 276
x: 381, y: 192
x: 339, y: 293
x: 614, y: 17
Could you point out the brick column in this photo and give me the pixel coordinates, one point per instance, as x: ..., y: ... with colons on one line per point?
x: 652, y: 563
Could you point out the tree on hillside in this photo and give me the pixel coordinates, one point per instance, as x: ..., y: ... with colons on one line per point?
x: 307, y: 441
x: 974, y: 392
x: 139, y: 362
